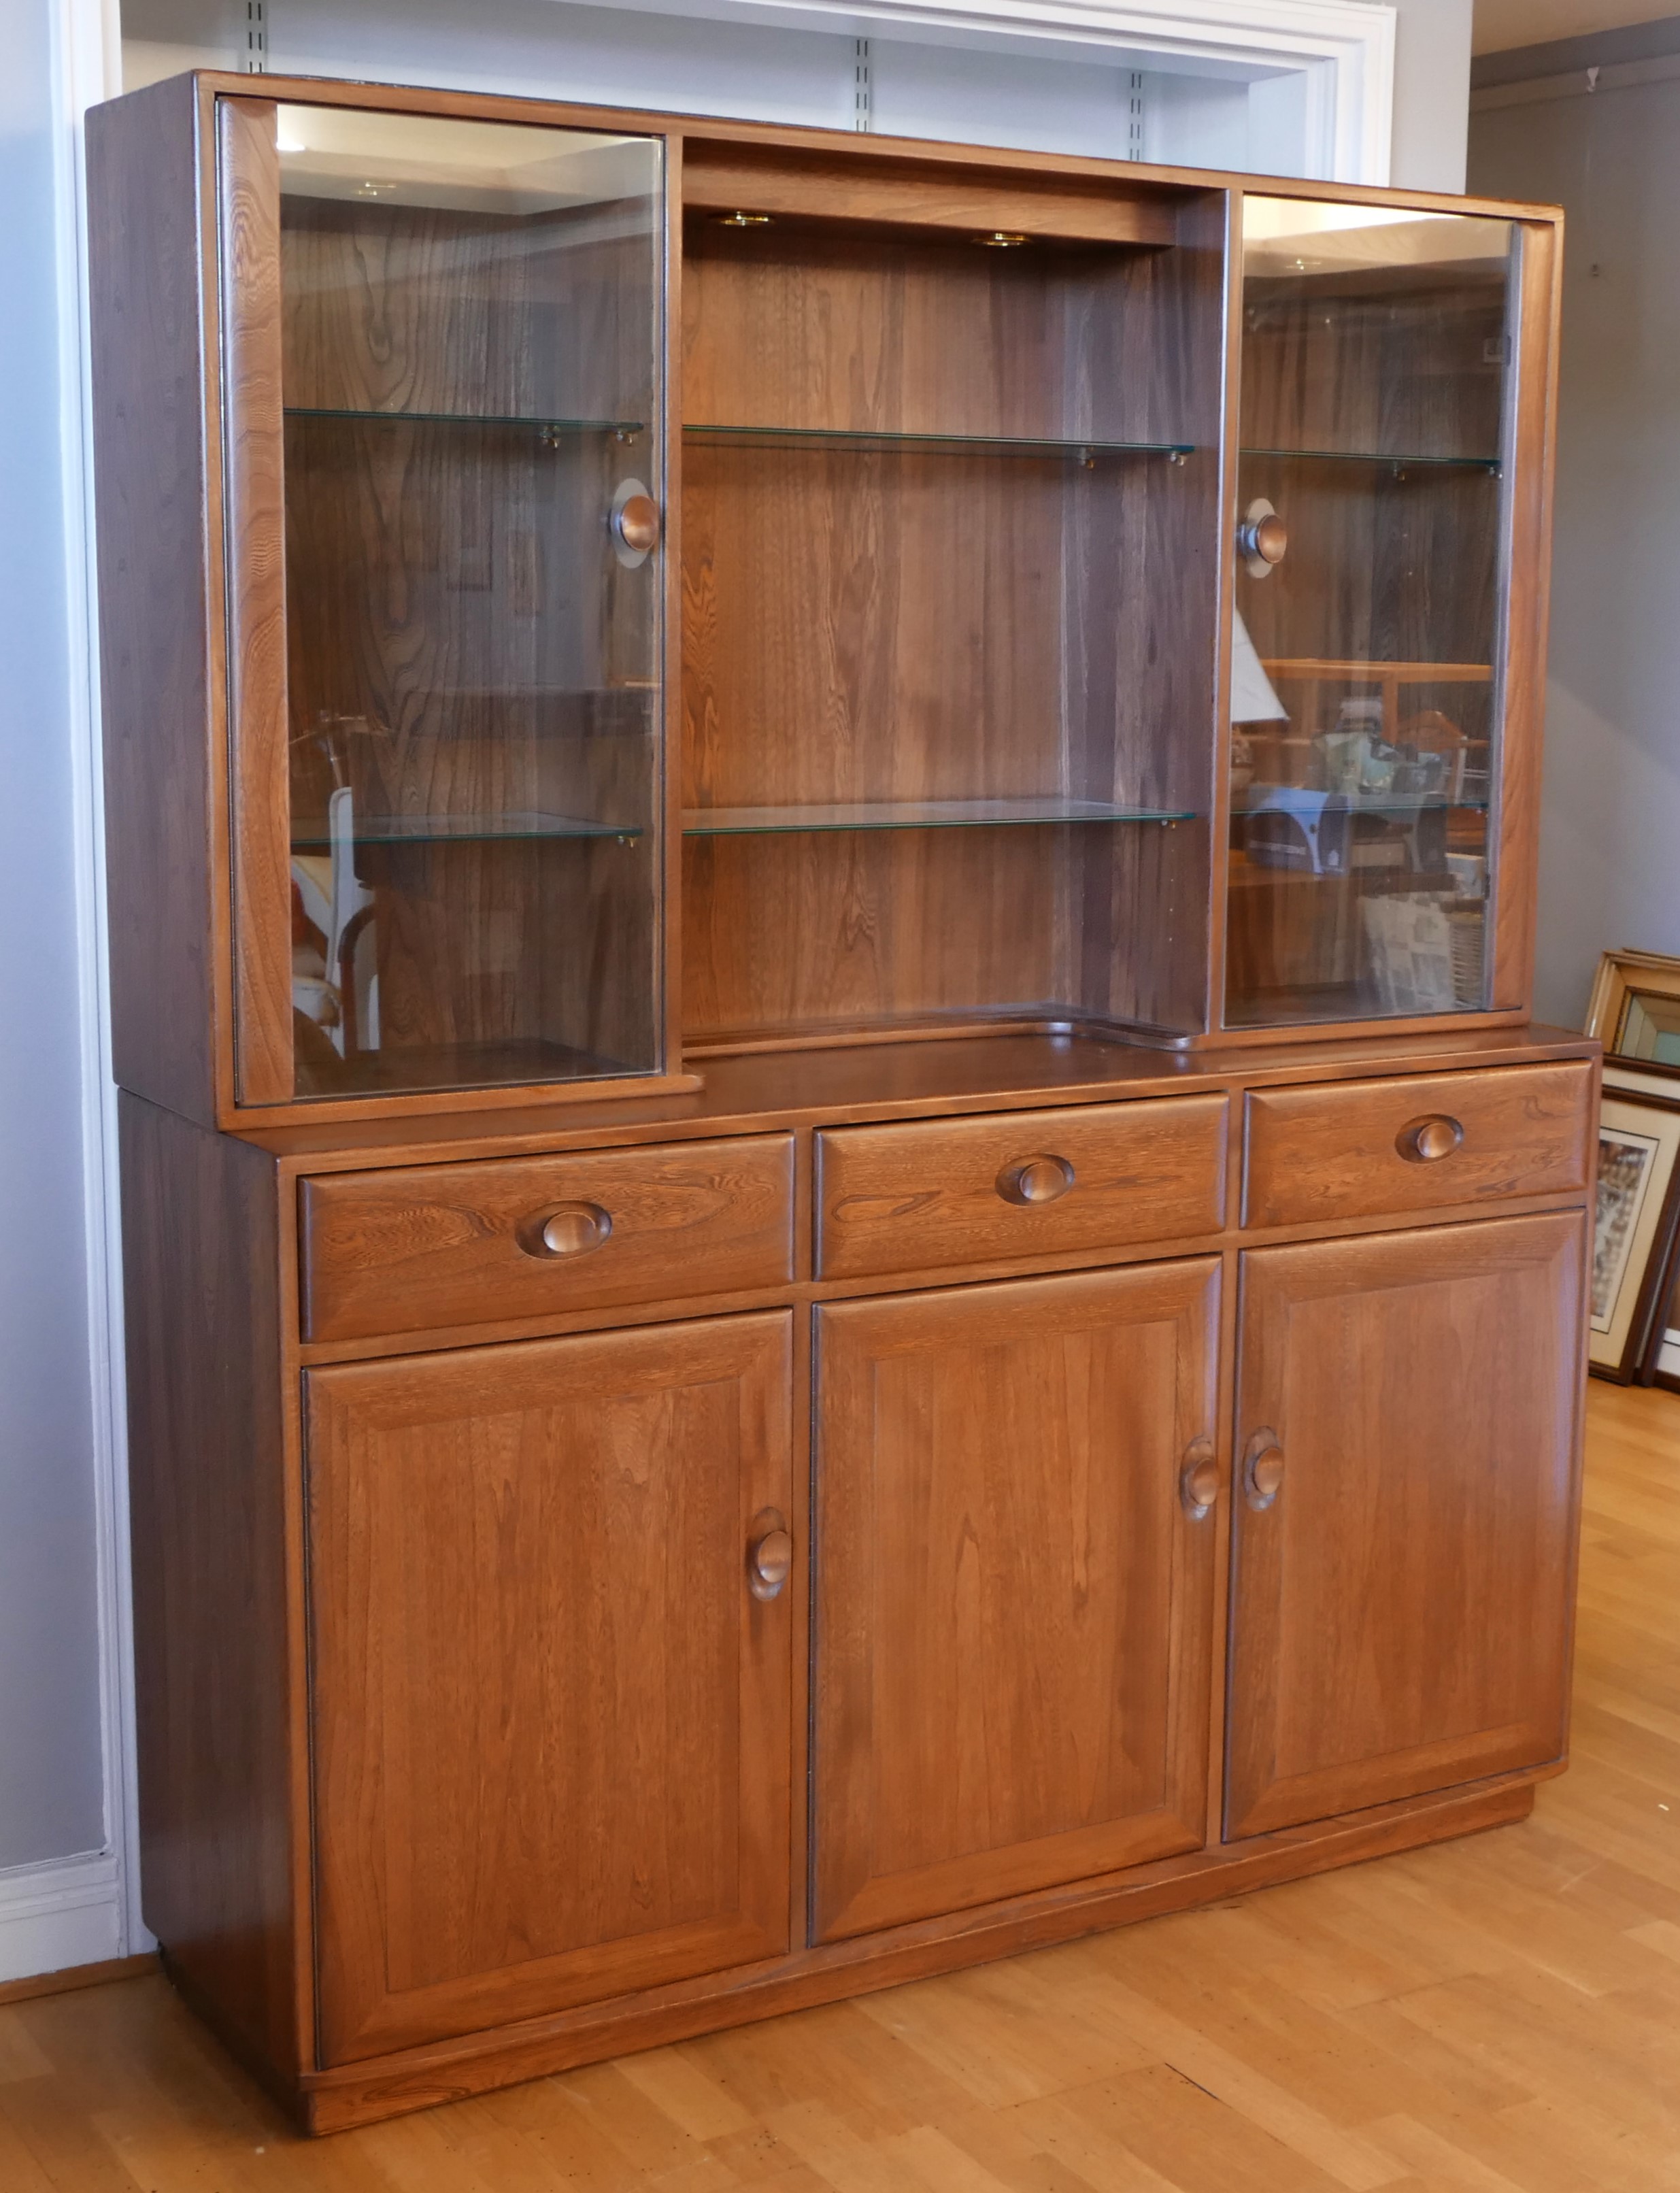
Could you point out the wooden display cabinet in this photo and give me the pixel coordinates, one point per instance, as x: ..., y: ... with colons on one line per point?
x: 846, y: 1248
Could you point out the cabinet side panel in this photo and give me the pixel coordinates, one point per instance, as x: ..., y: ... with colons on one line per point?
x: 159, y: 600
x: 249, y: 173
x: 201, y: 1271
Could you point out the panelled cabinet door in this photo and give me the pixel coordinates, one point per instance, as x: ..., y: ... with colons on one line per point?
x: 1408, y: 1408
x: 552, y: 1721
x: 1014, y: 1595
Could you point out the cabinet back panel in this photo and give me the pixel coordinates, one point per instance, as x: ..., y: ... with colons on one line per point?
x: 895, y: 625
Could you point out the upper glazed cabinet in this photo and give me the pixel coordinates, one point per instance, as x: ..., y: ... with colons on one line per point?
x: 686, y: 590
x: 447, y: 758
x: 1374, y: 483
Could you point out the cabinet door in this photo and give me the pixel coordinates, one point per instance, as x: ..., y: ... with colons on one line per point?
x: 1014, y: 1602
x: 1402, y: 1606
x: 442, y: 380
x: 552, y: 1724
x: 1383, y: 357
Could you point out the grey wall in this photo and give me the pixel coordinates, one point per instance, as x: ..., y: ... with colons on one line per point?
x: 51, y: 1801
x: 1610, y: 857
x: 1431, y: 93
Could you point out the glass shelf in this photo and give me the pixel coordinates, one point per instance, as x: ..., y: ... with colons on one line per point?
x: 915, y: 815
x: 458, y: 829
x: 1288, y: 798
x: 1082, y: 447
x: 623, y: 428
x: 1398, y: 458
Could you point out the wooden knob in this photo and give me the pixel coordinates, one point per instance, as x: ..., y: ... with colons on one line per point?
x: 1263, y: 1469
x: 1262, y: 539
x: 1199, y: 1478
x: 1423, y: 1142
x: 769, y: 1555
x: 635, y: 521
x: 571, y: 1230
x: 1034, y: 1180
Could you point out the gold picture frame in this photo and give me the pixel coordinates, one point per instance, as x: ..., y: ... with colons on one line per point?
x: 1635, y: 1009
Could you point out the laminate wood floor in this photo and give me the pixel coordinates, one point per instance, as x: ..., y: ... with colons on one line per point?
x: 1502, y: 2013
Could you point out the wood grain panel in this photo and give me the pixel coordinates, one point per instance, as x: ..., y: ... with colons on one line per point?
x: 890, y: 625
x: 218, y: 1745
x: 259, y: 743
x: 1531, y: 457
x: 925, y: 1193
x: 434, y: 1245
x: 552, y: 1724
x: 160, y: 597
x: 896, y: 193
x: 1013, y: 1609
x: 1401, y: 1615
x: 1319, y: 1154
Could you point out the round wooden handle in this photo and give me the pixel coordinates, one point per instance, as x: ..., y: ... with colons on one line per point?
x: 1262, y: 538
x: 571, y: 1229
x: 1436, y: 1135
x: 769, y: 1555
x: 636, y: 523
x: 1036, y: 1180
x: 1263, y: 1469
x: 1199, y: 1478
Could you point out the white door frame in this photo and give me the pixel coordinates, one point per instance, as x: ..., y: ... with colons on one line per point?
x: 67, y: 1913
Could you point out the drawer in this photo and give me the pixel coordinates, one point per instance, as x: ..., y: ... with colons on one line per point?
x: 426, y: 1246
x: 944, y: 1192
x: 1369, y: 1149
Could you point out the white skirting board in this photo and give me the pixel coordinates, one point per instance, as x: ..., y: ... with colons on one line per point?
x: 1668, y: 1360
x: 68, y: 1911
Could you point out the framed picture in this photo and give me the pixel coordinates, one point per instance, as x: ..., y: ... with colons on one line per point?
x: 1635, y: 1012
x: 1637, y: 1215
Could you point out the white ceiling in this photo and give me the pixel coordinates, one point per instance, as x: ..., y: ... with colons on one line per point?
x: 1503, y: 23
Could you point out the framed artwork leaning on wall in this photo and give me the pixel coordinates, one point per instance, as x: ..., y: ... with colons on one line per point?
x: 1635, y: 1009
x: 1638, y: 1211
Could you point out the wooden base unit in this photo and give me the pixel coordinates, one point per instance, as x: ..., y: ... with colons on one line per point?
x: 845, y: 1249
x: 474, y: 1701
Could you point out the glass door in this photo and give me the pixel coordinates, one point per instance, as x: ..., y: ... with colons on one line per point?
x: 470, y: 338
x: 1370, y: 585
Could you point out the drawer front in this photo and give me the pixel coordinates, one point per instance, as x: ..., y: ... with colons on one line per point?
x: 426, y: 1246
x: 950, y: 1192
x: 1367, y: 1149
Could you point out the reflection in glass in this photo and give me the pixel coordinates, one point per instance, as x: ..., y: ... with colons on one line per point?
x: 1374, y: 414
x: 471, y: 347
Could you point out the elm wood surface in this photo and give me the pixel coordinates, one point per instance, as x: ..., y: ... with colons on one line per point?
x: 1401, y: 1609
x: 1536, y: 340
x: 762, y: 1091
x: 259, y: 713
x: 890, y: 193
x: 160, y: 635
x: 1012, y: 1609
x: 1316, y: 1154
x: 969, y: 641
x: 552, y: 1725
x: 1500, y: 2007
x: 394, y: 1252
x: 932, y: 1193
x: 215, y: 1554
